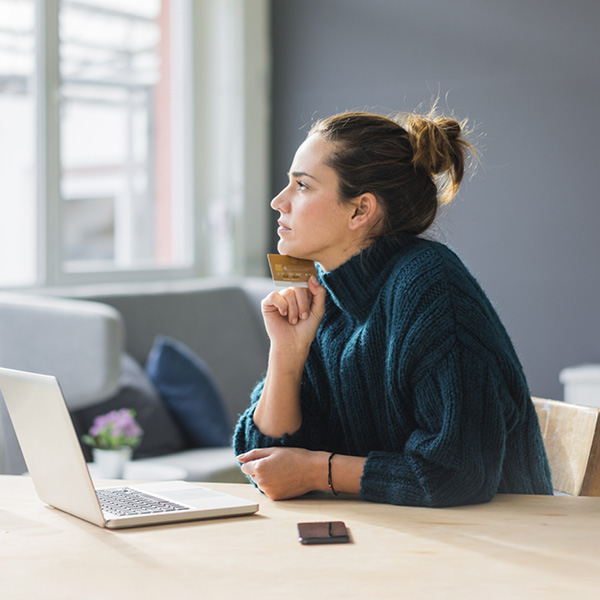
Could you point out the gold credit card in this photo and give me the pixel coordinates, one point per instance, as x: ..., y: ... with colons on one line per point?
x: 289, y: 271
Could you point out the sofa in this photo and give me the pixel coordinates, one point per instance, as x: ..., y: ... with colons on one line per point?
x: 99, y: 341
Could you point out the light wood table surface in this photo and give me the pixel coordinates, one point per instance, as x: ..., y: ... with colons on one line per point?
x: 514, y: 547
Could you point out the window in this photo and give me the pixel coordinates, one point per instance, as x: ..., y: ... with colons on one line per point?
x: 123, y: 139
x: 17, y: 143
x: 115, y: 124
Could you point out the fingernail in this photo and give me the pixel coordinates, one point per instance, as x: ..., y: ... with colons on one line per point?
x: 314, y: 280
x: 294, y: 321
x: 304, y: 316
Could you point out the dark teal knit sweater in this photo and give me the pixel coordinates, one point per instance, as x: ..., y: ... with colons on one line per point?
x: 412, y: 368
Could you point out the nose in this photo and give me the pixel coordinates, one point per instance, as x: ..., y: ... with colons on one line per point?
x: 278, y: 203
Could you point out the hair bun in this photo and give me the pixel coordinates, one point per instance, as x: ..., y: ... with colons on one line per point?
x: 438, y: 148
x: 433, y: 141
x: 450, y: 127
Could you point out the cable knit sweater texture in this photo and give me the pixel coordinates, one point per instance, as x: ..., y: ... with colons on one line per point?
x: 412, y: 368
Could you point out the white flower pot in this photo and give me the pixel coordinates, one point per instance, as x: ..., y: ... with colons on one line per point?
x: 111, y: 463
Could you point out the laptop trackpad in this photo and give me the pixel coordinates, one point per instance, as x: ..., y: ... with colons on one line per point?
x: 190, y: 494
x: 199, y: 498
x: 187, y: 496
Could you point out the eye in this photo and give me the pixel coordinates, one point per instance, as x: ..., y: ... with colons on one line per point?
x: 300, y: 185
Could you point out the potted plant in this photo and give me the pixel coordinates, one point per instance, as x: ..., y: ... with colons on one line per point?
x: 113, y: 437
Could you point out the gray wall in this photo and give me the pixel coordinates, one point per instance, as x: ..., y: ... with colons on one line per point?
x: 527, y: 74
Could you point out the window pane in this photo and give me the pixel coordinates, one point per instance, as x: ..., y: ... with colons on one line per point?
x: 115, y: 134
x: 17, y: 143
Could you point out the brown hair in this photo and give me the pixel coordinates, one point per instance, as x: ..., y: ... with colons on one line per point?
x: 411, y: 163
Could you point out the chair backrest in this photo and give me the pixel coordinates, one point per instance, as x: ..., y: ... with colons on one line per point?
x: 571, y: 434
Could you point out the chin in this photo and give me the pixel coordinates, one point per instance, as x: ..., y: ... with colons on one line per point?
x: 289, y: 249
x: 285, y: 248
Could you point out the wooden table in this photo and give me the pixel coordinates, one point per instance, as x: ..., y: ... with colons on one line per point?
x: 514, y: 547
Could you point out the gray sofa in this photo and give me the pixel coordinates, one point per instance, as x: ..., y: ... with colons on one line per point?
x: 87, y: 336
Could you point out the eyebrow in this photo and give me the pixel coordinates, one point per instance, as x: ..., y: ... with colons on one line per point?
x: 302, y: 174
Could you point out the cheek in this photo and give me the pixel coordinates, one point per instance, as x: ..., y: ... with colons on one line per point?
x: 319, y: 214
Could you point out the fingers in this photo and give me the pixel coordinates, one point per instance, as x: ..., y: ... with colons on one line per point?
x: 249, y: 469
x: 254, y: 454
x: 280, y: 472
x: 293, y: 303
x: 251, y: 464
x: 318, y: 296
x: 303, y: 301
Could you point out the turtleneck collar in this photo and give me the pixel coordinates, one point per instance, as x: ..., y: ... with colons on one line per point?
x: 354, y: 285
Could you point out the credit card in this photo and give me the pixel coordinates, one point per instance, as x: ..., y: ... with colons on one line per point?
x: 289, y: 271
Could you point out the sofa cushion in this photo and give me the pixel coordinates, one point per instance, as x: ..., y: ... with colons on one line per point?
x: 188, y: 389
x: 161, y: 433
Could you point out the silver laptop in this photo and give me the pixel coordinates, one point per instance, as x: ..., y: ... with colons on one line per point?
x: 61, y: 478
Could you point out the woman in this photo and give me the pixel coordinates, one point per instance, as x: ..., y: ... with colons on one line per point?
x: 391, y: 375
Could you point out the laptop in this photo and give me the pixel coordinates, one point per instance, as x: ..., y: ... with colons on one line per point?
x: 61, y: 477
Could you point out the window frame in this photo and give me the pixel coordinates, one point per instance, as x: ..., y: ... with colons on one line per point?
x: 240, y: 91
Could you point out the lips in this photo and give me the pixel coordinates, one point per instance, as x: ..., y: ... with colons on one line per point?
x: 283, y: 227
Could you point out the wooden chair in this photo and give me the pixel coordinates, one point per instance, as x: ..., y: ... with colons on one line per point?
x: 571, y: 434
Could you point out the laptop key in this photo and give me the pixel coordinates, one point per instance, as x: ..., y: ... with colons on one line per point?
x: 126, y: 502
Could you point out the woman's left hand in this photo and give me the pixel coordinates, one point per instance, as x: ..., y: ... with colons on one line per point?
x: 285, y: 472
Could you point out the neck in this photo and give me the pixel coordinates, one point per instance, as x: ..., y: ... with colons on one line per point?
x: 331, y: 263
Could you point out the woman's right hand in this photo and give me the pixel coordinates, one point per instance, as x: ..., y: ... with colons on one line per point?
x: 293, y: 315
x: 292, y: 318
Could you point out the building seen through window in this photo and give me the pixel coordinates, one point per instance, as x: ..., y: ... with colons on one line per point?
x: 120, y: 136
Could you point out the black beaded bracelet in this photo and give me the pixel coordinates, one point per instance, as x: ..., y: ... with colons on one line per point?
x: 329, y: 480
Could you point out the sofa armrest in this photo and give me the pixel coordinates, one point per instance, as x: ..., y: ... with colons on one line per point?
x: 77, y: 341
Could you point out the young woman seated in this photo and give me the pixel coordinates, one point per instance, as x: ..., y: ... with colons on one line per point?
x: 391, y: 375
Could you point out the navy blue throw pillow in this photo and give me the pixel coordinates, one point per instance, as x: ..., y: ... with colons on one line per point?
x: 186, y: 386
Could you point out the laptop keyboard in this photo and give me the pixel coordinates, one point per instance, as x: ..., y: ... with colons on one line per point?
x: 125, y: 502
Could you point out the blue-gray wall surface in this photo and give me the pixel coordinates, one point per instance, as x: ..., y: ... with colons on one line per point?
x: 526, y: 73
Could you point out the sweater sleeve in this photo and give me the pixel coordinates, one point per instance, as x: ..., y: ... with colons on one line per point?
x: 455, y: 453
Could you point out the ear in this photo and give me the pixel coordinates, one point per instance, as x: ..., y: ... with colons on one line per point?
x: 366, y: 209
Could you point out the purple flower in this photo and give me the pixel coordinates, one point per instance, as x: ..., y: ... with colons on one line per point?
x: 115, y: 429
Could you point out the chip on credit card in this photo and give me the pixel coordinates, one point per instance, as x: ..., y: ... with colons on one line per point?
x: 289, y: 271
